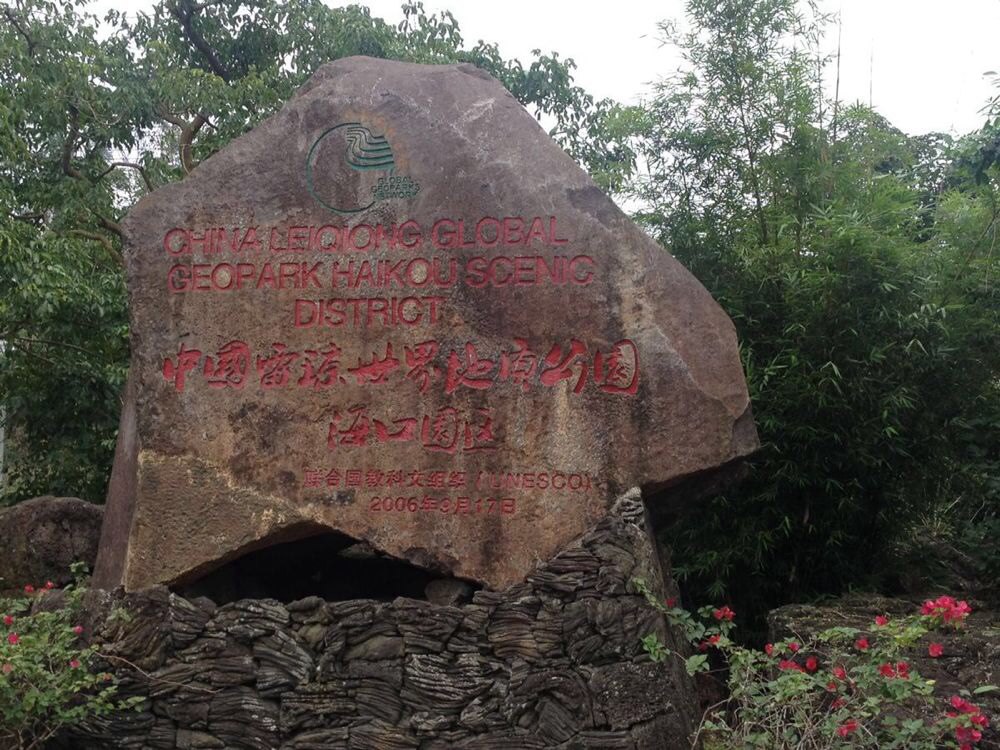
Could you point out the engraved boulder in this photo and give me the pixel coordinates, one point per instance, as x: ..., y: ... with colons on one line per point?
x: 397, y: 310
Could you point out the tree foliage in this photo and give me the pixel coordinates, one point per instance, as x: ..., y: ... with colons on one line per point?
x: 856, y: 263
x: 95, y: 113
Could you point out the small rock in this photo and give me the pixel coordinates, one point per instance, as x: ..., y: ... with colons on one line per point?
x: 448, y: 591
x: 43, y: 536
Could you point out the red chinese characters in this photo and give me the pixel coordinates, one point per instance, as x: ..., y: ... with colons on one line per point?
x: 228, y: 369
x: 445, y: 431
x: 426, y: 365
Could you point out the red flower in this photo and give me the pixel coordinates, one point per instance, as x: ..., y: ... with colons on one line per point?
x: 13, y: 639
x: 671, y: 602
x: 840, y: 673
x: 881, y: 620
x: 935, y: 650
x: 78, y: 629
x: 29, y: 589
x: 839, y: 703
x: 769, y: 649
x: 946, y: 608
x: 847, y: 728
x: 8, y: 619
x: 861, y: 644
x: 723, y: 613
x: 7, y: 668
x: 967, y: 734
x: 712, y: 640
x: 887, y: 670
x: 903, y: 670
x: 811, y: 664
x: 789, y: 666
x: 73, y: 664
x: 793, y: 647
x: 49, y: 585
x: 831, y: 686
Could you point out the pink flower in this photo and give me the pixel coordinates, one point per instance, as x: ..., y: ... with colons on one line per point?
x: 49, y: 585
x: 29, y: 589
x: 861, y: 644
x: 712, y: 640
x: 769, y: 649
x: 78, y: 629
x: 811, y: 664
x: 881, y: 620
x: 74, y: 664
x: 967, y: 734
x: 793, y: 647
x: 13, y: 639
x: 7, y: 668
x: 847, y: 728
x: 935, y: 650
x: 946, y: 608
x: 8, y: 619
x: 723, y: 613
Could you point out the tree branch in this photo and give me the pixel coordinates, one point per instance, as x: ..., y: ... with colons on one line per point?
x: 70, y: 145
x: 33, y: 218
x: 9, y: 14
x: 111, y: 226
x: 138, y: 167
x: 116, y: 256
x: 46, y: 342
x: 188, y: 131
x: 184, y: 11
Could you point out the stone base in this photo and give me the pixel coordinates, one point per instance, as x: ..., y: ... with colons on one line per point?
x: 554, y: 662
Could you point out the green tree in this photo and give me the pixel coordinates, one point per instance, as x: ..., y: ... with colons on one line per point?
x: 868, y: 340
x: 95, y: 113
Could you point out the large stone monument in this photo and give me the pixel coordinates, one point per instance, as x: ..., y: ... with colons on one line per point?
x: 398, y: 311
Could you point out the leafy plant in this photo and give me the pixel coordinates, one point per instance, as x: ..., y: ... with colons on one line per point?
x: 46, y: 680
x: 855, y: 263
x: 839, y: 688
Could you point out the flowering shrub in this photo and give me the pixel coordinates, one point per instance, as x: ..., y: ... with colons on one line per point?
x: 843, y: 688
x: 45, y: 677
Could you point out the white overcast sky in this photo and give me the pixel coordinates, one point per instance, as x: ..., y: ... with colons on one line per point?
x: 922, y: 60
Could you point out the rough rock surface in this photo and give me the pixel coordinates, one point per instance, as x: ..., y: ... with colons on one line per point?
x: 971, y: 655
x: 388, y: 296
x: 553, y: 662
x: 40, y: 538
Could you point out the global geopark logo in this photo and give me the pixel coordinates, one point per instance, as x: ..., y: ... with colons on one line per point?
x: 350, y: 168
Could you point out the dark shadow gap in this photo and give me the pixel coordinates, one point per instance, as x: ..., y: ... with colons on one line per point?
x: 332, y: 566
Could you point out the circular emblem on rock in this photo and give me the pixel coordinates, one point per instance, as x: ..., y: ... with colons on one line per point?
x: 350, y: 168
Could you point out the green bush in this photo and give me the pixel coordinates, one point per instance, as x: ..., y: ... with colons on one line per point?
x: 841, y: 688
x: 46, y: 678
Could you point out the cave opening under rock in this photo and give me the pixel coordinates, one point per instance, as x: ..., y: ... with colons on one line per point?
x: 329, y: 565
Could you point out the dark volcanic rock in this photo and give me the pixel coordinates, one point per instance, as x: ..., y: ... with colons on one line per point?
x: 43, y: 536
x: 398, y: 310
x: 542, y: 664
